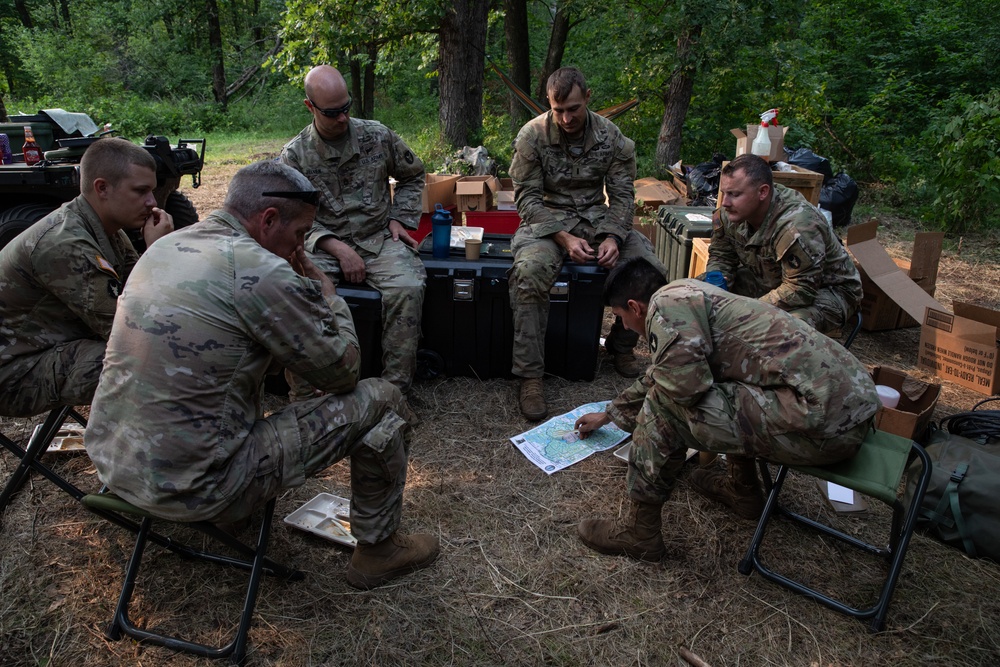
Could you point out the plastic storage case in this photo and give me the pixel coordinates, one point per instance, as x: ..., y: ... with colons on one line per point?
x: 678, y: 226
x: 468, y: 324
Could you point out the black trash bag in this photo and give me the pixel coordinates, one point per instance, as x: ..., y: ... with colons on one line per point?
x: 838, y: 196
x: 805, y: 158
x: 703, y: 181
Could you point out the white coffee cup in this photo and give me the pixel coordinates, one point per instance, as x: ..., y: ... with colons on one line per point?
x: 888, y: 396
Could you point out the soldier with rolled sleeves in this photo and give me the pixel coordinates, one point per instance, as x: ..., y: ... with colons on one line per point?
x: 730, y: 375
x: 361, y: 235
x: 770, y: 243
x: 564, y: 161
x: 60, y: 280
x: 177, y: 427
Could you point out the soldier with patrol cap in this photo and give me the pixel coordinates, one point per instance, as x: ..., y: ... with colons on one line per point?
x: 564, y: 161
x: 730, y: 375
x: 60, y: 280
x: 361, y: 233
x: 177, y: 427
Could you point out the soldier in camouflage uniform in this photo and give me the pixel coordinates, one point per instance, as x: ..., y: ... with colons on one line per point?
x: 729, y: 375
x: 360, y: 233
x: 177, y: 427
x: 772, y: 244
x: 564, y: 161
x: 60, y: 280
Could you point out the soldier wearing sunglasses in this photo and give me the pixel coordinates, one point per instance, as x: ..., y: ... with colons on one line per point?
x: 360, y: 234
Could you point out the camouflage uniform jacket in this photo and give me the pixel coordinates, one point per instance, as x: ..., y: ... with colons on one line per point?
x: 207, y: 312
x: 554, y: 190
x: 356, y: 206
x: 699, y: 335
x: 793, y: 254
x: 60, y: 281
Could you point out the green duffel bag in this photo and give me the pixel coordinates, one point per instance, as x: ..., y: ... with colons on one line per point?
x: 962, y: 504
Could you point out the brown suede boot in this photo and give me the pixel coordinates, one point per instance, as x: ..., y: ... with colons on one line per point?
x: 532, y: 400
x: 738, y: 487
x: 628, y: 365
x: 637, y: 534
x: 397, y: 555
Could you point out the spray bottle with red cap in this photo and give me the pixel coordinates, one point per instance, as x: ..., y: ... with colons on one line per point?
x: 762, y: 142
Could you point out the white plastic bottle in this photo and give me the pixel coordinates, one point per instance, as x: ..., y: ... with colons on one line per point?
x: 762, y: 142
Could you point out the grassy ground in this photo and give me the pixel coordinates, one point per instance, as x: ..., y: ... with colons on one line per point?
x: 513, y: 585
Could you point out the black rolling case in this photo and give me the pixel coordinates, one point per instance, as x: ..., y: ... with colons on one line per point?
x: 678, y: 225
x: 365, y: 303
x: 468, y: 326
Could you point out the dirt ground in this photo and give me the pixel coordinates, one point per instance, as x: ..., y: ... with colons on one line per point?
x: 513, y: 585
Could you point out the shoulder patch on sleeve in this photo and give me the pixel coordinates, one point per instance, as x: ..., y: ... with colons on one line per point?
x: 105, y: 265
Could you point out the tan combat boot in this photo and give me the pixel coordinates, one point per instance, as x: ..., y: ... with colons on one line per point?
x: 532, y: 400
x: 628, y: 365
x: 737, y: 488
x: 637, y: 534
x: 397, y: 555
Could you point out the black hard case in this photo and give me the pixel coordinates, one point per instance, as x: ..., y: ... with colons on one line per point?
x: 468, y: 325
x: 678, y: 226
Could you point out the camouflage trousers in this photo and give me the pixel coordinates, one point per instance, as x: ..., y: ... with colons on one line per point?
x: 537, y: 263
x: 371, y: 425
x: 829, y: 312
x: 399, y: 276
x: 66, y: 374
x: 727, y: 420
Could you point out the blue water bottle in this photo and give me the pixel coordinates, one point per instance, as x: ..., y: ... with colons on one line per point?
x: 441, y: 231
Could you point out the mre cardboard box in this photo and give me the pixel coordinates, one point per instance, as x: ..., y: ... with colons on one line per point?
x: 652, y: 193
x: 505, y: 195
x: 917, y: 400
x: 776, y: 133
x: 889, y: 293
x: 475, y: 193
x: 438, y: 189
x: 962, y: 347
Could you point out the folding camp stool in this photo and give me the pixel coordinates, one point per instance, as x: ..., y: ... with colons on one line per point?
x: 31, y: 455
x: 258, y: 564
x: 876, y: 471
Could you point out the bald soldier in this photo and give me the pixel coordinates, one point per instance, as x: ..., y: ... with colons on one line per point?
x: 177, y: 427
x: 60, y: 280
x: 361, y: 235
x: 772, y: 244
x: 729, y: 375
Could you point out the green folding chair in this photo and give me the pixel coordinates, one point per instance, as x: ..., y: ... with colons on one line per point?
x: 253, y: 559
x: 875, y: 471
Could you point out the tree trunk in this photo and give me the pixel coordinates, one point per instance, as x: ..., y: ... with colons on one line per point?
x: 3, y: 111
x: 369, y: 89
x: 357, y: 86
x: 215, y: 47
x: 554, y: 55
x: 24, y: 14
x: 515, y: 28
x: 64, y: 10
x: 676, y: 100
x: 462, y: 54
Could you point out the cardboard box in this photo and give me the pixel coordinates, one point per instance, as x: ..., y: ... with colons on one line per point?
x: 888, y: 290
x: 744, y: 140
x: 505, y: 195
x: 438, y: 189
x: 475, y: 193
x: 699, y: 257
x: 962, y: 347
x: 917, y: 400
x: 651, y: 194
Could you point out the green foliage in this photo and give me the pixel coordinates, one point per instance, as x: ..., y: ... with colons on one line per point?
x: 966, y: 177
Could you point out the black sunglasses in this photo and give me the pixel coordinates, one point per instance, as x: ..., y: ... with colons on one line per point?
x: 334, y: 113
x: 310, y: 197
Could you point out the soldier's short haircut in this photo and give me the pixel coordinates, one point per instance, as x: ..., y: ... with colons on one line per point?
x: 561, y: 82
x: 111, y: 158
x: 754, y: 166
x: 636, y: 279
x: 245, y: 196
